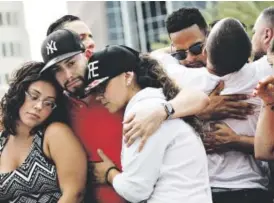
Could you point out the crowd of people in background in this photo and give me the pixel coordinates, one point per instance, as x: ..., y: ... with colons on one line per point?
x: 191, y: 122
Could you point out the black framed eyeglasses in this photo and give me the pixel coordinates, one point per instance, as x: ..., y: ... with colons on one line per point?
x: 45, y: 103
x: 194, y: 49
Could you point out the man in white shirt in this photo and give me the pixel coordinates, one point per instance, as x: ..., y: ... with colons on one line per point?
x: 224, y: 135
x: 235, y: 175
x: 187, y: 30
x: 262, y: 27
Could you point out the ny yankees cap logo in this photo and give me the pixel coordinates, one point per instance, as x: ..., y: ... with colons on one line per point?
x: 51, y: 47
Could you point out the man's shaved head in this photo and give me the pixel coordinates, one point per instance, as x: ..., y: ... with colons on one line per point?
x: 228, y: 47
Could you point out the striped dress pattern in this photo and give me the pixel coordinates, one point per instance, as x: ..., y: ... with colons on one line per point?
x: 35, y: 181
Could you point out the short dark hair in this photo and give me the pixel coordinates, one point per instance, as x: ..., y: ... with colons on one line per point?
x: 59, y: 23
x: 15, y: 97
x: 184, y: 18
x: 228, y: 46
x: 268, y: 15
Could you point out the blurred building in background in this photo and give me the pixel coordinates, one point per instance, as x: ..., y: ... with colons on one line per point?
x: 139, y: 24
x: 14, y: 41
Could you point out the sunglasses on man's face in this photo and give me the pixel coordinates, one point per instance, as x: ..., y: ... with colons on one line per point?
x: 195, y: 49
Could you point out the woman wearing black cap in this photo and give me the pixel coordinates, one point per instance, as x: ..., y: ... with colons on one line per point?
x: 172, y: 167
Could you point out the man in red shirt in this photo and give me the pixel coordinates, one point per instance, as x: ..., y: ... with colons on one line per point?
x: 88, y: 119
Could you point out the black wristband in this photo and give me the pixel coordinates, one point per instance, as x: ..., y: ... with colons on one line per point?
x: 107, y: 172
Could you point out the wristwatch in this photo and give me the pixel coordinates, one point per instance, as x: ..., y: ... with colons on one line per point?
x: 169, y: 110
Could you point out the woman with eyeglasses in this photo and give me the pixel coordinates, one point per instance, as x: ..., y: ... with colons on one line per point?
x: 40, y: 158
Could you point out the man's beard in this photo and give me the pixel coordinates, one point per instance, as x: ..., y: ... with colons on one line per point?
x: 258, y: 55
x: 78, y: 92
x: 196, y: 64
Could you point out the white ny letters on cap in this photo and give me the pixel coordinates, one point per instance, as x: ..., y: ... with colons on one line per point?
x: 91, y: 69
x: 51, y: 47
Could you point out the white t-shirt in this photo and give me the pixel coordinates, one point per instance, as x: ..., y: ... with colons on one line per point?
x: 232, y: 169
x: 172, y: 167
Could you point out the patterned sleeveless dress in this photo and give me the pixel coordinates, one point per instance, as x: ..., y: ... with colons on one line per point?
x: 35, y: 181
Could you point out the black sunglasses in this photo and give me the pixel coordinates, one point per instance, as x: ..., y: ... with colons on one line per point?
x: 194, y: 49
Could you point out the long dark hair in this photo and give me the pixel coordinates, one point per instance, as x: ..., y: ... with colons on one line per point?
x: 150, y: 73
x: 12, y: 101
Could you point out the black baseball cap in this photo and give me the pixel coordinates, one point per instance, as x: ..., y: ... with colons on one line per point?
x: 109, y: 63
x: 60, y: 45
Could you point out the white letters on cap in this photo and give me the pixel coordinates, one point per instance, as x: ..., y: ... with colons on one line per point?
x: 51, y: 47
x: 91, y: 69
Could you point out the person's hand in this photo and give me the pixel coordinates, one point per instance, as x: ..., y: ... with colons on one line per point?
x: 226, y: 106
x: 265, y: 90
x: 101, y: 168
x: 220, y: 138
x: 143, y: 124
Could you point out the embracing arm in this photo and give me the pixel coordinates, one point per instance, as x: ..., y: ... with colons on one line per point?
x: 245, y: 144
x: 264, y: 139
x: 70, y: 159
x: 222, y: 139
x: 145, y: 122
x: 189, y: 102
x: 226, y: 106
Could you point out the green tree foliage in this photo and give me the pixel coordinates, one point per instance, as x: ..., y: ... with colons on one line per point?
x: 163, y: 42
x: 245, y: 11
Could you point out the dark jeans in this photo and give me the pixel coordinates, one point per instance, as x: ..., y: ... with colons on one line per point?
x: 243, y: 196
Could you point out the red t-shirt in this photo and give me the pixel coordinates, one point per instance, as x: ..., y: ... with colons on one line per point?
x: 97, y: 128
